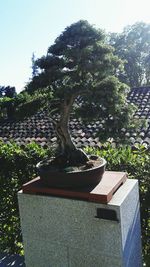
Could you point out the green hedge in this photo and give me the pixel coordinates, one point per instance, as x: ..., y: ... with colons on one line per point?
x: 18, y: 166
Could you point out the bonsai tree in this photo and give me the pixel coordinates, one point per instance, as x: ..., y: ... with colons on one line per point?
x: 81, y: 65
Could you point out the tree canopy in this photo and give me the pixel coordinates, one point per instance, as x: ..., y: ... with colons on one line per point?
x: 81, y: 63
x: 133, y: 46
x: 7, y: 91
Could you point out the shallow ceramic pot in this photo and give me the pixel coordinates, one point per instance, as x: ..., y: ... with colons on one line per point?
x: 72, y: 179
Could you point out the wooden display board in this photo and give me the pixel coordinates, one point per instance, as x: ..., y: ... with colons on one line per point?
x: 102, y: 193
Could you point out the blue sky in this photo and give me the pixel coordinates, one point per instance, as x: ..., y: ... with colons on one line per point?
x: 28, y: 26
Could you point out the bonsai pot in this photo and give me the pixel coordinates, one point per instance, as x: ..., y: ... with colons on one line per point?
x: 69, y: 178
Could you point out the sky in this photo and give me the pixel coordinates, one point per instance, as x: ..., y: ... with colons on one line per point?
x: 31, y: 26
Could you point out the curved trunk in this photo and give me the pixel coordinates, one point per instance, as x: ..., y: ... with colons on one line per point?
x: 71, y: 155
x: 62, y: 127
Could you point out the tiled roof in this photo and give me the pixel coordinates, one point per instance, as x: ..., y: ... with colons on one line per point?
x: 141, y: 97
x: 39, y: 128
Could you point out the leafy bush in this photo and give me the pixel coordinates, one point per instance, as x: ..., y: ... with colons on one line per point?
x: 18, y: 166
x: 23, y: 104
x: 27, y: 105
x: 136, y: 162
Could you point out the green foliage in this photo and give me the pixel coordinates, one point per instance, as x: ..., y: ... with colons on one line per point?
x: 17, y: 167
x: 133, y: 46
x: 7, y: 99
x: 27, y: 105
x: 75, y: 63
x: 81, y: 64
x: 134, y: 161
x: 6, y: 107
x: 24, y: 104
x: 7, y: 91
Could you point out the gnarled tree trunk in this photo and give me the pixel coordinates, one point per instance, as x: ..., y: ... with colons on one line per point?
x: 70, y: 155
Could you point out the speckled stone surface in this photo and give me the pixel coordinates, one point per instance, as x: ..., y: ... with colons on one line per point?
x: 59, y: 232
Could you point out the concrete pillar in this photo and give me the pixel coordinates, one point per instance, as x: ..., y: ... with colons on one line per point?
x: 63, y: 232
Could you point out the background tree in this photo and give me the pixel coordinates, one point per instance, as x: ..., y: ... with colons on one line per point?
x: 34, y: 67
x: 7, y: 99
x: 133, y: 46
x: 81, y: 63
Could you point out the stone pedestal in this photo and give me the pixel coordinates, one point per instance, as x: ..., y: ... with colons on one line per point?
x: 65, y: 232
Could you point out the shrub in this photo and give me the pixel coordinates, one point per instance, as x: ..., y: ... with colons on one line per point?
x: 17, y: 167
